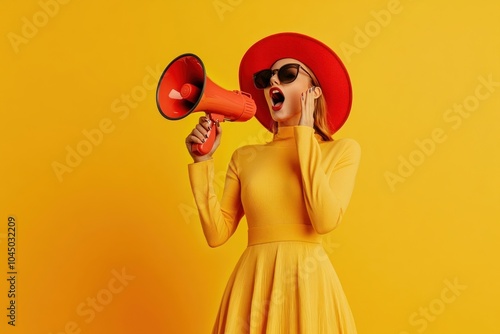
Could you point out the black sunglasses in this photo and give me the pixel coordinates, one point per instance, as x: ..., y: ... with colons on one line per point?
x: 286, y: 74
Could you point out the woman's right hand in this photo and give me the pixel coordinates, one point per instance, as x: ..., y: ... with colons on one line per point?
x: 200, y: 134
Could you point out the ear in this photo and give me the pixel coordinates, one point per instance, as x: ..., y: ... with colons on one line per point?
x: 317, y: 92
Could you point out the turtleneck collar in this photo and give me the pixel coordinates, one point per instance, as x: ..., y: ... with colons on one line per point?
x: 284, y: 132
x: 288, y: 132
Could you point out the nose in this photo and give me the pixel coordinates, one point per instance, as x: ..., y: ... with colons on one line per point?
x: 274, y: 79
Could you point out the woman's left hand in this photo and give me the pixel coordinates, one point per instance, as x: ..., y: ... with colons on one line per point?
x: 307, y: 101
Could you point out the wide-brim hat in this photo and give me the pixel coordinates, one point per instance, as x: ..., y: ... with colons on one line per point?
x: 327, y: 67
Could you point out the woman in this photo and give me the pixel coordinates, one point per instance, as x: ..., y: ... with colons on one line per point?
x: 291, y: 190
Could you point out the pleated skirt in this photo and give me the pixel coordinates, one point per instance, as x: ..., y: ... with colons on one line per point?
x: 284, y: 287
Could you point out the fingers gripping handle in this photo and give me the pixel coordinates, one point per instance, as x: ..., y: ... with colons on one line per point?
x: 206, y: 147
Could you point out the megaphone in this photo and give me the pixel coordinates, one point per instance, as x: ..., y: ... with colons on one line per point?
x: 184, y: 88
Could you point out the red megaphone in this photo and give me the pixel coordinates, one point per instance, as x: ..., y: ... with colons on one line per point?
x: 185, y: 88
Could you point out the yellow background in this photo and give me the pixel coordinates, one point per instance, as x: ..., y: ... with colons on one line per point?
x: 126, y: 207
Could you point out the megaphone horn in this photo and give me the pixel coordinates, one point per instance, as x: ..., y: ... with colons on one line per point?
x: 184, y: 88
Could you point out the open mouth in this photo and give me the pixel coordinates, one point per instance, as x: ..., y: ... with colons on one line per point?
x: 277, y: 98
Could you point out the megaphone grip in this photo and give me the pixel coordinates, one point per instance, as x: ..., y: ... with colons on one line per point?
x: 206, y: 147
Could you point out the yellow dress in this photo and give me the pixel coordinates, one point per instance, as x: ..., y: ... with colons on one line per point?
x: 291, y: 190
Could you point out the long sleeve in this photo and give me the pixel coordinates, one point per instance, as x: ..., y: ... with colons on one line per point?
x: 328, y: 177
x: 219, y: 220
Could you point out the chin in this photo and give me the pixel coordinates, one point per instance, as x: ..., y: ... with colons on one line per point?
x: 284, y: 116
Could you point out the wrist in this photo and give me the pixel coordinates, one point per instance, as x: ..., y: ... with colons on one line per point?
x: 202, y: 158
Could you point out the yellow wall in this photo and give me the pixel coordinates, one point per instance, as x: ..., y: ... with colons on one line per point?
x: 418, y: 249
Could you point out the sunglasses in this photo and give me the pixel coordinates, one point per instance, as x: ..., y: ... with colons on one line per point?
x: 286, y: 74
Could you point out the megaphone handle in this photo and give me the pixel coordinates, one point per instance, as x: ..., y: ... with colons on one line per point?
x: 206, y: 147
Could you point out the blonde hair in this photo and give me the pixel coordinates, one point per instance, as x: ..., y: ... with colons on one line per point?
x: 320, y: 119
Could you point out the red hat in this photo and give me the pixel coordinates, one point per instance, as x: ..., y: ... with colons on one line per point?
x: 318, y: 57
